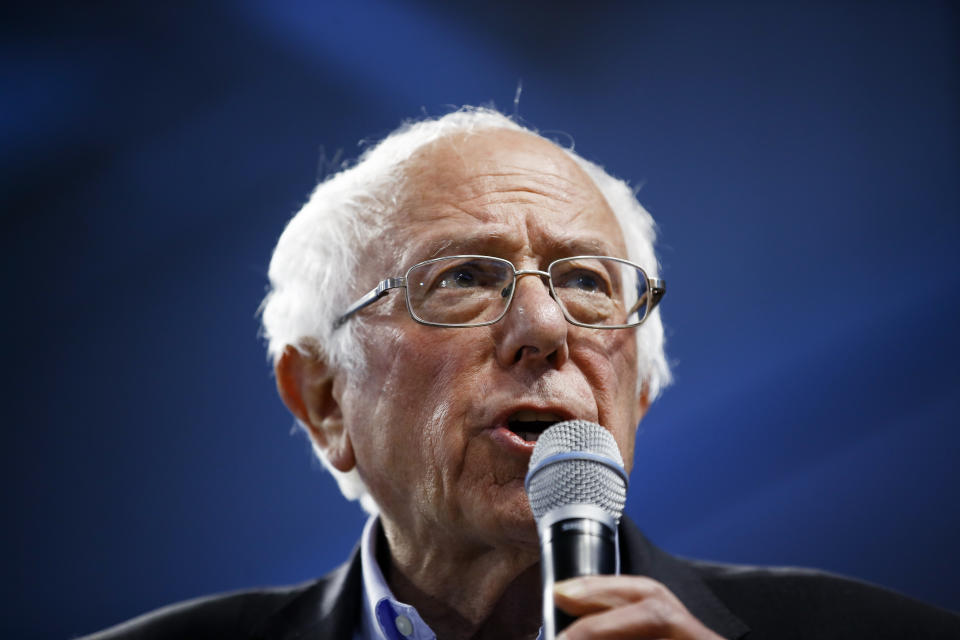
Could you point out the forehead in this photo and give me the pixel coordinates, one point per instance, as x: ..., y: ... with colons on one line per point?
x: 502, y: 191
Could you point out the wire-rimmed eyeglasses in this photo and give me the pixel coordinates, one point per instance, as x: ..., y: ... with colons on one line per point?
x: 600, y: 292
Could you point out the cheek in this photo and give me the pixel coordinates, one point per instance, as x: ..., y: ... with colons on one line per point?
x: 609, y: 362
x: 434, y: 379
x: 411, y: 404
x: 378, y: 409
x: 446, y: 379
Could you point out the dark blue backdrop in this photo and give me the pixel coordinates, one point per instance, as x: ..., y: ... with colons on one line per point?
x: 802, y: 163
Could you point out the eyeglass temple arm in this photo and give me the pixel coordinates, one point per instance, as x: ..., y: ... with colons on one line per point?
x: 370, y: 297
x: 656, y: 287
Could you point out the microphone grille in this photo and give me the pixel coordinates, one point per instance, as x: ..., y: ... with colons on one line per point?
x: 576, y: 462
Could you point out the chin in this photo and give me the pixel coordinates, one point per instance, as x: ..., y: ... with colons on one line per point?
x: 511, y: 523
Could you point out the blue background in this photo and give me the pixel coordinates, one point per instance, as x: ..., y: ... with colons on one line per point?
x: 802, y: 163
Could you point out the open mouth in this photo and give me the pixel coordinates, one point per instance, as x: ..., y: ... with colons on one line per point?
x: 530, y: 424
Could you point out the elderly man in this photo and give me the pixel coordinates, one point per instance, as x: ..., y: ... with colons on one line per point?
x: 501, y: 309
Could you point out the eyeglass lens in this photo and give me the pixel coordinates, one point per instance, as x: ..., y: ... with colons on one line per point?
x: 472, y: 290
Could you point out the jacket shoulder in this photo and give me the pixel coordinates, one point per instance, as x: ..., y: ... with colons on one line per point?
x: 324, y: 608
x: 235, y: 614
x: 787, y: 602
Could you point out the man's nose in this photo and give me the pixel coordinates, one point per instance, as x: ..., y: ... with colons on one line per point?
x: 534, y: 329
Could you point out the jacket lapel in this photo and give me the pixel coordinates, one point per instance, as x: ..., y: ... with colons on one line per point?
x: 638, y: 556
x: 329, y: 608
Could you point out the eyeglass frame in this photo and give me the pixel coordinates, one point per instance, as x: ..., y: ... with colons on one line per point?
x: 656, y: 287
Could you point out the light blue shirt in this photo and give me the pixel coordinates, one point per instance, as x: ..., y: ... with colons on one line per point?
x: 384, y: 617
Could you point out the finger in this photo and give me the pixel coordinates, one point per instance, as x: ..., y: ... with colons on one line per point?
x: 652, y: 618
x: 637, y: 620
x: 590, y: 594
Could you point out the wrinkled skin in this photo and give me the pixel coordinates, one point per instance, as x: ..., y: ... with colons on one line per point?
x: 424, y: 422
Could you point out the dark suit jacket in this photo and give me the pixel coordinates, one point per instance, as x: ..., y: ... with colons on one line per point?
x: 735, y: 601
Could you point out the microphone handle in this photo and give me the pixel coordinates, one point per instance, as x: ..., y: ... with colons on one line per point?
x: 573, y: 547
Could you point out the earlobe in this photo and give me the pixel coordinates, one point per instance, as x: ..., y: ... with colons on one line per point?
x: 305, y: 383
x: 643, y: 401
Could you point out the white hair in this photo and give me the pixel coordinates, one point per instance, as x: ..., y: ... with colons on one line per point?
x: 314, y: 270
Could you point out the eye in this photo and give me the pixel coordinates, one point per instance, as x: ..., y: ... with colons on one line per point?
x: 583, y: 280
x: 459, y: 277
x: 470, y: 275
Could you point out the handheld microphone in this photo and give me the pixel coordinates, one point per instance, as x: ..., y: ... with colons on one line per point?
x: 577, y: 489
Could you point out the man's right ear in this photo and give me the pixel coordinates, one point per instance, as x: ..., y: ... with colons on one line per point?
x: 305, y: 383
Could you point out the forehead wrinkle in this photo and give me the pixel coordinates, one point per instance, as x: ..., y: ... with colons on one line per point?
x: 468, y: 244
x: 560, y: 244
x: 540, y: 173
x: 578, y: 245
x: 497, y: 185
x: 470, y: 181
x: 597, y: 241
x: 466, y: 171
x: 511, y: 203
x: 503, y: 235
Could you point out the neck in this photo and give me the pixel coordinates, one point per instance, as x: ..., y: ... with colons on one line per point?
x: 466, y: 593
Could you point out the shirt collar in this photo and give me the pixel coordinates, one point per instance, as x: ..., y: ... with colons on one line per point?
x: 384, y: 617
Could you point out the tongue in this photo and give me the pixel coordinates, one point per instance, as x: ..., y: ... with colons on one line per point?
x: 529, y: 430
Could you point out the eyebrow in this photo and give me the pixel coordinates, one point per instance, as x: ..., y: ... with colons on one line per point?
x: 573, y: 246
x: 501, y: 243
x: 469, y: 244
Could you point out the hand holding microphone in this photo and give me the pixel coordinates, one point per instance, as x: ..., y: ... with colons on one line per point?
x: 577, y: 489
